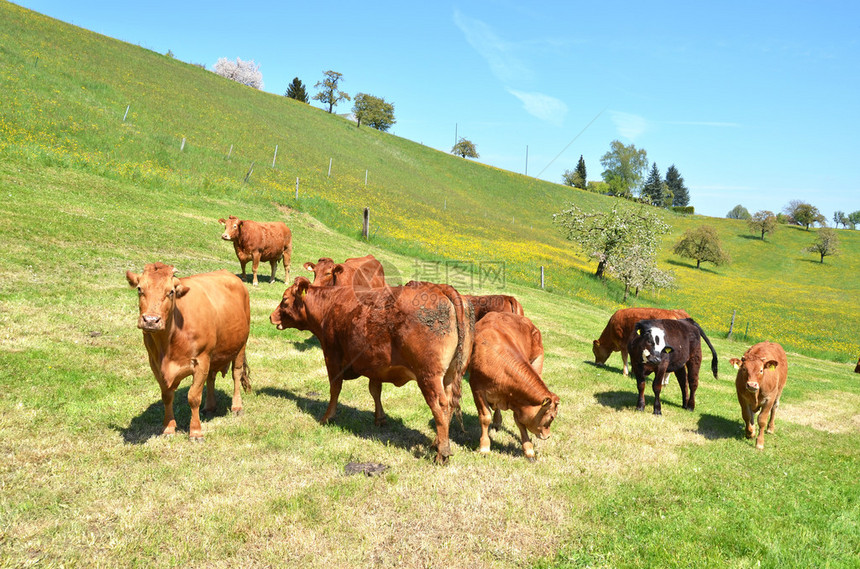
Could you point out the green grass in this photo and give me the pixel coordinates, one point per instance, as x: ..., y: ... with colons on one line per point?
x: 87, y: 481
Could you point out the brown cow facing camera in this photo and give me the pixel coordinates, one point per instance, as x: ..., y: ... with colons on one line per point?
x: 195, y: 326
x: 361, y: 272
x: 619, y: 328
x: 762, y: 373
x: 505, y: 373
x: 270, y: 242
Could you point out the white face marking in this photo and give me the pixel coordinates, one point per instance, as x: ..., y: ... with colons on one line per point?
x: 645, y: 354
x: 659, y: 337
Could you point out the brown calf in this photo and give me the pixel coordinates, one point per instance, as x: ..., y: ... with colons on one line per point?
x: 196, y: 326
x: 505, y: 373
x: 617, y: 332
x: 361, y: 272
x: 762, y: 373
x: 253, y: 241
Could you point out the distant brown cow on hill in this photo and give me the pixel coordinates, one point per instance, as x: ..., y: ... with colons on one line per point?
x: 484, y: 304
x: 857, y: 369
x: 196, y: 326
x: 762, y: 373
x: 361, y: 272
x: 505, y: 373
x: 421, y: 332
x: 617, y: 332
x: 270, y: 242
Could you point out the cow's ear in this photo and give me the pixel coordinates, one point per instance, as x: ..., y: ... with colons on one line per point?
x: 222, y: 221
x: 546, y: 401
x: 132, y: 278
x: 668, y: 350
x: 336, y: 270
x: 302, y: 284
x: 179, y: 289
x: 597, y: 343
x: 736, y: 363
x: 309, y: 266
x: 772, y: 364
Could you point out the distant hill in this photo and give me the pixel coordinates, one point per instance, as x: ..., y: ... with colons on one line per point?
x: 78, y: 100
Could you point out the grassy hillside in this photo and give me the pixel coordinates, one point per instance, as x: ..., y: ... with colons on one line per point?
x: 86, y: 480
x: 66, y: 92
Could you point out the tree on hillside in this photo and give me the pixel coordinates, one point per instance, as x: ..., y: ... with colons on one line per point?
x: 296, y: 90
x: 607, y: 235
x: 597, y: 187
x: 804, y: 214
x: 854, y: 218
x: 624, y: 168
x: 827, y: 243
x: 577, y: 177
x: 655, y: 190
x: 374, y: 111
x: 702, y: 244
x: 636, y: 267
x: 738, y: 212
x: 244, y: 72
x: 840, y: 217
x: 675, y: 183
x: 329, y: 93
x: 762, y: 221
x: 465, y: 148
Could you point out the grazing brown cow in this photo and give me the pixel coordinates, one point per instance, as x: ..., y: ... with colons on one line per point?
x: 668, y: 346
x: 361, y: 272
x: 505, y: 373
x: 270, y: 242
x: 762, y: 373
x: 196, y: 326
x: 857, y: 368
x: 422, y: 332
x: 484, y: 304
x: 619, y: 328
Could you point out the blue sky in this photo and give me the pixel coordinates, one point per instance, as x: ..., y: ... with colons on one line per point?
x: 755, y: 102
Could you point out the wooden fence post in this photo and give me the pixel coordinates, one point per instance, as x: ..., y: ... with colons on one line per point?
x: 126, y: 110
x: 731, y: 326
x: 248, y: 175
x: 365, y: 228
x: 182, y: 146
x: 541, y: 277
x: 230, y: 152
x: 297, y: 188
x: 275, y: 157
x: 329, y: 166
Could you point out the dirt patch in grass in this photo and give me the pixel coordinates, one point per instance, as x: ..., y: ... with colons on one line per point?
x: 835, y: 413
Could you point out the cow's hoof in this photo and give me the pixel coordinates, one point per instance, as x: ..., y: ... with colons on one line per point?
x: 238, y: 412
x: 380, y: 422
x: 640, y: 408
x: 196, y: 438
x: 531, y: 458
x: 208, y: 413
x: 657, y: 412
x: 759, y: 447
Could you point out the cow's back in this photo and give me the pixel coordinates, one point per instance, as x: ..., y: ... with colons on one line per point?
x: 621, y: 325
x: 272, y: 239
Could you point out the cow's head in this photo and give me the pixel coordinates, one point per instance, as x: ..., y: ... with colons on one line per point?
x: 325, y: 271
x: 231, y: 228
x: 652, y: 343
x: 157, y: 291
x: 538, y: 418
x: 751, y: 371
x: 291, y: 312
x: 601, y: 353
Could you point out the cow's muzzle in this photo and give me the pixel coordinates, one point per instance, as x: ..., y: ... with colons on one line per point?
x: 752, y: 386
x: 150, y: 322
x: 225, y: 237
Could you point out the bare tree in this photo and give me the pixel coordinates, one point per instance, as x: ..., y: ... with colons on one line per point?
x: 826, y: 244
x: 329, y: 93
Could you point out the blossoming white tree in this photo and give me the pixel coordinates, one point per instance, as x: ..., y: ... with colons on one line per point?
x: 244, y: 72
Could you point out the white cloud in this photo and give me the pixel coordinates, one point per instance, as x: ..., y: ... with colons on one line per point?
x: 629, y: 126
x: 542, y: 106
x: 498, y: 53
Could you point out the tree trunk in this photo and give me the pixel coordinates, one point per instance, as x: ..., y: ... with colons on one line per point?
x: 698, y: 263
x: 822, y: 259
x: 626, y: 289
x: 600, y: 267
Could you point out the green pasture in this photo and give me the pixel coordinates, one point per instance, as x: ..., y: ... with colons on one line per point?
x: 86, y: 479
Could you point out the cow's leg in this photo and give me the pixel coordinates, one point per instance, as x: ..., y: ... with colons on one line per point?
x: 434, y: 395
x: 209, y: 408
x: 749, y: 418
x: 693, y: 381
x: 624, y: 370
x: 255, y: 262
x: 195, y: 395
x: 243, y: 262
x: 640, y: 405
x: 766, y: 412
x: 497, y: 420
x: 287, y: 254
x: 681, y: 376
x: 485, y: 415
x: 375, y: 387
x: 274, y: 269
x: 239, y: 371
x: 528, y: 447
x: 169, y: 419
x: 770, y: 426
x: 334, y: 387
x: 657, y: 387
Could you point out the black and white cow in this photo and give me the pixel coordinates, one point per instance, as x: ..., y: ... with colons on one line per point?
x: 664, y: 347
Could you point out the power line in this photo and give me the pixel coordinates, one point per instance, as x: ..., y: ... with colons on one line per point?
x: 571, y: 142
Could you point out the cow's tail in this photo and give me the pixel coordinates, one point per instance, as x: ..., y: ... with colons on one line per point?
x: 465, y: 315
x: 714, y: 362
x: 246, y: 376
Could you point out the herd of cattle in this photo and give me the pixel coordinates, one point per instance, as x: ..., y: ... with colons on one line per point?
x: 424, y: 332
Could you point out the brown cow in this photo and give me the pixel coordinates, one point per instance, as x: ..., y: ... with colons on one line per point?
x: 361, y: 271
x: 505, y: 373
x: 421, y: 332
x: 196, y: 326
x: 857, y: 368
x: 762, y: 373
x: 271, y: 242
x: 484, y: 304
x: 619, y: 328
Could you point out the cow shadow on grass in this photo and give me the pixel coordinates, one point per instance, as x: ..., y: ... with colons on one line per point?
x: 603, y: 367
x: 620, y: 400
x: 150, y: 423
x: 261, y: 279
x: 358, y: 422
x: 714, y: 427
x: 310, y: 343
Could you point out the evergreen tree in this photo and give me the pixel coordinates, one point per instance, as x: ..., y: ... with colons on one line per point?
x: 296, y: 90
x: 581, y: 174
x: 655, y: 189
x: 675, y: 183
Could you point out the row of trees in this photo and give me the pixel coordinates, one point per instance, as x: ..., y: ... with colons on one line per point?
x: 795, y: 213
x: 624, y: 176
